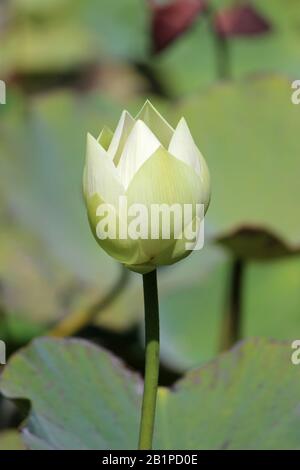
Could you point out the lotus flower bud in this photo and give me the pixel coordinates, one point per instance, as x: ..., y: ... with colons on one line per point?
x: 143, y: 186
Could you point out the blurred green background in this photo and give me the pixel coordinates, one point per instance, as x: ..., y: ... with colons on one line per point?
x: 71, y: 66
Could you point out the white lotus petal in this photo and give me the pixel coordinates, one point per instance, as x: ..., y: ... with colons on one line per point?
x: 183, y: 147
x: 101, y: 176
x: 156, y: 122
x: 140, y: 145
x: 105, y: 137
x: 120, y: 136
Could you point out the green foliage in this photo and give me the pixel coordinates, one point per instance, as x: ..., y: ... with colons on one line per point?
x: 83, y: 398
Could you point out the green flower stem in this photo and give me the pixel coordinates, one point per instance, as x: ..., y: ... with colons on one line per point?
x: 151, y: 360
x: 231, y: 328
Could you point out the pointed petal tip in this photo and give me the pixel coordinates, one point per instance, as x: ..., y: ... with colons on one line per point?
x: 94, y: 145
x: 183, y: 128
x: 182, y: 123
x: 147, y: 104
x: 140, y: 124
x: 126, y: 113
x: 183, y: 146
x: 91, y: 139
x: 141, y: 127
x: 105, y: 137
x: 140, y: 145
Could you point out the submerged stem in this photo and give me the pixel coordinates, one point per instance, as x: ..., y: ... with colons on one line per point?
x: 151, y: 360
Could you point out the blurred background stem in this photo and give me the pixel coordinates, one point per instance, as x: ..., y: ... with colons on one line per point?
x: 151, y: 360
x: 221, y: 44
x: 232, y: 322
x: 222, y: 57
x: 79, y: 319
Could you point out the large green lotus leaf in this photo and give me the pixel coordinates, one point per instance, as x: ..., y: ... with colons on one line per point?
x: 41, y: 160
x: 242, y: 400
x: 83, y: 398
x: 192, y: 317
x: 248, y: 133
